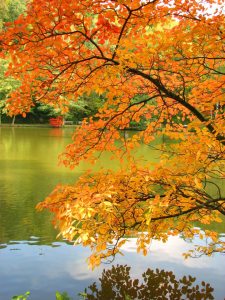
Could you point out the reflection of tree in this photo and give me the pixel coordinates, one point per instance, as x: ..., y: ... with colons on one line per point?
x: 116, y: 284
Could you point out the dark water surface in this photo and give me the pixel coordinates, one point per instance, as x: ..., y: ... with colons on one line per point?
x: 32, y: 258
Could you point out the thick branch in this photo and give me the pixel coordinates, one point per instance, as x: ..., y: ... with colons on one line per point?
x: 179, y: 100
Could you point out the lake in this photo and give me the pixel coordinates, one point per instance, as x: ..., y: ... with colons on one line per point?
x: 32, y: 258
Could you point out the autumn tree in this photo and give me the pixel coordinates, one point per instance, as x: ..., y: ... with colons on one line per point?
x: 161, y: 60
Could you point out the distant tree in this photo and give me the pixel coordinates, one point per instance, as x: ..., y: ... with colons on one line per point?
x: 10, y: 10
x: 7, y: 85
x: 3, y: 12
x: 86, y: 106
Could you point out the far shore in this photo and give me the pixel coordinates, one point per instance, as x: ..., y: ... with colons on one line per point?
x: 63, y: 126
x: 36, y: 125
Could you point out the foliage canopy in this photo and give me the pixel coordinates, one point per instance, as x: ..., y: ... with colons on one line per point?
x: 159, y: 59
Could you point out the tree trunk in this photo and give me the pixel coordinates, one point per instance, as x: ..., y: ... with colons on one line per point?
x: 13, y: 121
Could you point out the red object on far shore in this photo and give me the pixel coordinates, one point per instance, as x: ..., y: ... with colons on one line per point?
x: 56, y: 122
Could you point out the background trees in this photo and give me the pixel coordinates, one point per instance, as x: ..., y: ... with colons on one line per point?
x: 7, y: 84
x: 9, y: 11
x: 154, y: 60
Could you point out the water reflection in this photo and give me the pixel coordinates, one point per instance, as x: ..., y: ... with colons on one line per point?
x: 117, y: 284
x: 44, y: 269
x: 36, y: 241
x: 31, y: 258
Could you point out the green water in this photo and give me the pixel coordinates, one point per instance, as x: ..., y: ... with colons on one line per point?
x: 31, y: 258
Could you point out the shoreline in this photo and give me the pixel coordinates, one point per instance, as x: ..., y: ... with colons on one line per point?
x: 8, y: 125
x: 36, y: 125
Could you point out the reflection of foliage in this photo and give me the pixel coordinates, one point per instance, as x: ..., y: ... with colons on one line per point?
x: 116, y: 284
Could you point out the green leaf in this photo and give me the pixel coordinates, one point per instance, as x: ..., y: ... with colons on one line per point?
x: 63, y: 296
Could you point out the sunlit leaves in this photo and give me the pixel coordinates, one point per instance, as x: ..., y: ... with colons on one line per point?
x: 100, y: 210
